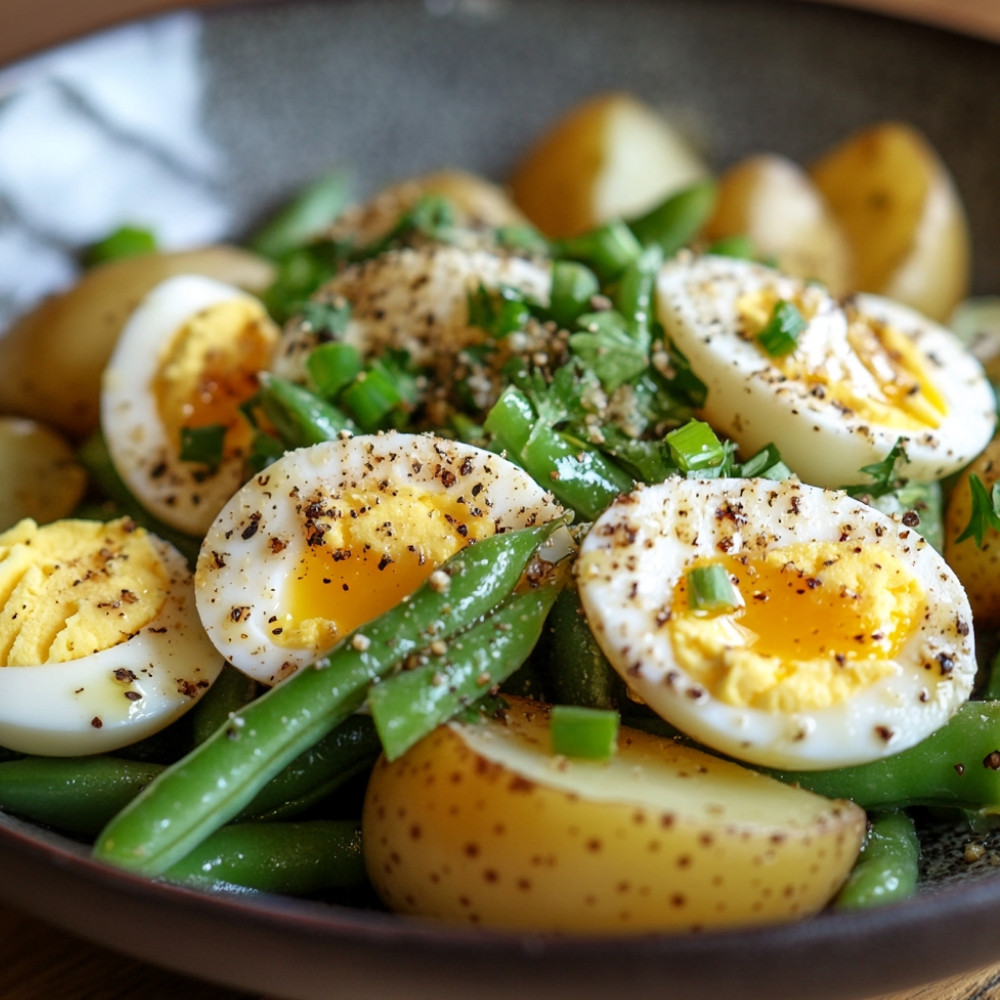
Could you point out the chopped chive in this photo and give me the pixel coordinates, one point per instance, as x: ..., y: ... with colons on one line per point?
x: 765, y: 464
x: 127, y: 241
x: 499, y: 311
x: 371, y: 397
x: 332, y: 367
x: 577, y: 731
x: 573, y: 286
x: 694, y: 446
x: 203, y: 444
x: 710, y: 589
x: 780, y: 335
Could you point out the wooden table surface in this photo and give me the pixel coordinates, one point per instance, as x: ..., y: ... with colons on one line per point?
x: 39, y: 962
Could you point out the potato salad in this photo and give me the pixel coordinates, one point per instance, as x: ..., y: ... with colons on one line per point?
x: 612, y: 549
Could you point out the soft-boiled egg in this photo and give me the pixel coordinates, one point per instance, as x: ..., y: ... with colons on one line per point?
x: 841, y: 637
x: 861, y: 374
x: 100, y: 642
x: 186, y: 359
x: 330, y: 536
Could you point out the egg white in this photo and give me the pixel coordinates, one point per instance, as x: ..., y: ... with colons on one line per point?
x: 184, y: 495
x: 751, y: 401
x: 119, y: 695
x: 259, y: 543
x: 641, y: 546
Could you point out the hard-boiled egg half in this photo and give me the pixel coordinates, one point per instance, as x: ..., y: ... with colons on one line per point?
x: 330, y: 536
x: 186, y: 359
x: 100, y: 642
x: 836, y: 394
x: 783, y: 624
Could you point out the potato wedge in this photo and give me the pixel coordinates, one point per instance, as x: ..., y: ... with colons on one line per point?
x: 477, y: 201
x: 483, y: 824
x: 977, y: 568
x: 902, y: 216
x: 611, y: 156
x: 774, y: 202
x: 51, y: 360
x: 40, y: 477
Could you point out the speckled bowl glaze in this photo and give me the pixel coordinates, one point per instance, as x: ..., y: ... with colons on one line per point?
x: 245, y: 103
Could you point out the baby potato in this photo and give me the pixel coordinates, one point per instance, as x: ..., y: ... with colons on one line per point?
x: 39, y: 473
x: 611, y: 156
x: 774, y: 202
x: 482, y: 824
x: 902, y: 216
x: 977, y: 568
x: 52, y: 359
x: 476, y: 200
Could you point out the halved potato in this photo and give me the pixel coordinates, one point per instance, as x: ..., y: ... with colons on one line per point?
x: 51, y: 360
x: 481, y: 823
x: 774, y: 202
x: 977, y: 568
x: 611, y: 156
x: 477, y: 201
x: 40, y: 477
x: 902, y: 216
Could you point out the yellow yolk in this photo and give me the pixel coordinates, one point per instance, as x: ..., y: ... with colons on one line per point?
x: 211, y: 366
x: 898, y: 390
x: 821, y: 621
x: 366, y: 553
x: 73, y: 588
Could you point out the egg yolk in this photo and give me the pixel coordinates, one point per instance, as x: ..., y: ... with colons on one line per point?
x: 211, y: 366
x: 877, y: 374
x: 364, y: 554
x: 820, y: 621
x: 73, y: 588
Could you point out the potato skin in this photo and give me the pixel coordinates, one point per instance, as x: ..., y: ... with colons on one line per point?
x: 902, y: 216
x: 977, y: 568
x: 464, y: 834
x: 52, y: 359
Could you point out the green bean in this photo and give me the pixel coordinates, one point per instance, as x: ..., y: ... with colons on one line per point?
x: 301, y: 417
x: 579, y: 476
x: 958, y: 766
x: 219, y: 778
x: 348, y: 750
x: 296, y: 859
x: 579, y: 672
x: 888, y: 866
x: 229, y: 692
x: 75, y: 795
x: 676, y: 221
x: 80, y: 795
x: 407, y: 706
x: 607, y: 249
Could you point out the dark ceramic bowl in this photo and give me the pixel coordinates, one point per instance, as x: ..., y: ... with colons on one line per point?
x: 198, y: 123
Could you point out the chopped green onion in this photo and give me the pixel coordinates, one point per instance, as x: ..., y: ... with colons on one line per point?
x: 710, y: 589
x: 607, y: 250
x: 780, y: 335
x: 676, y: 221
x: 371, y: 397
x: 332, y: 367
x: 694, y: 446
x: 573, y: 286
x: 525, y: 238
x: 765, y: 464
x: 498, y: 311
x: 128, y: 241
x: 304, y: 217
x: 577, y: 731
x: 203, y: 444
